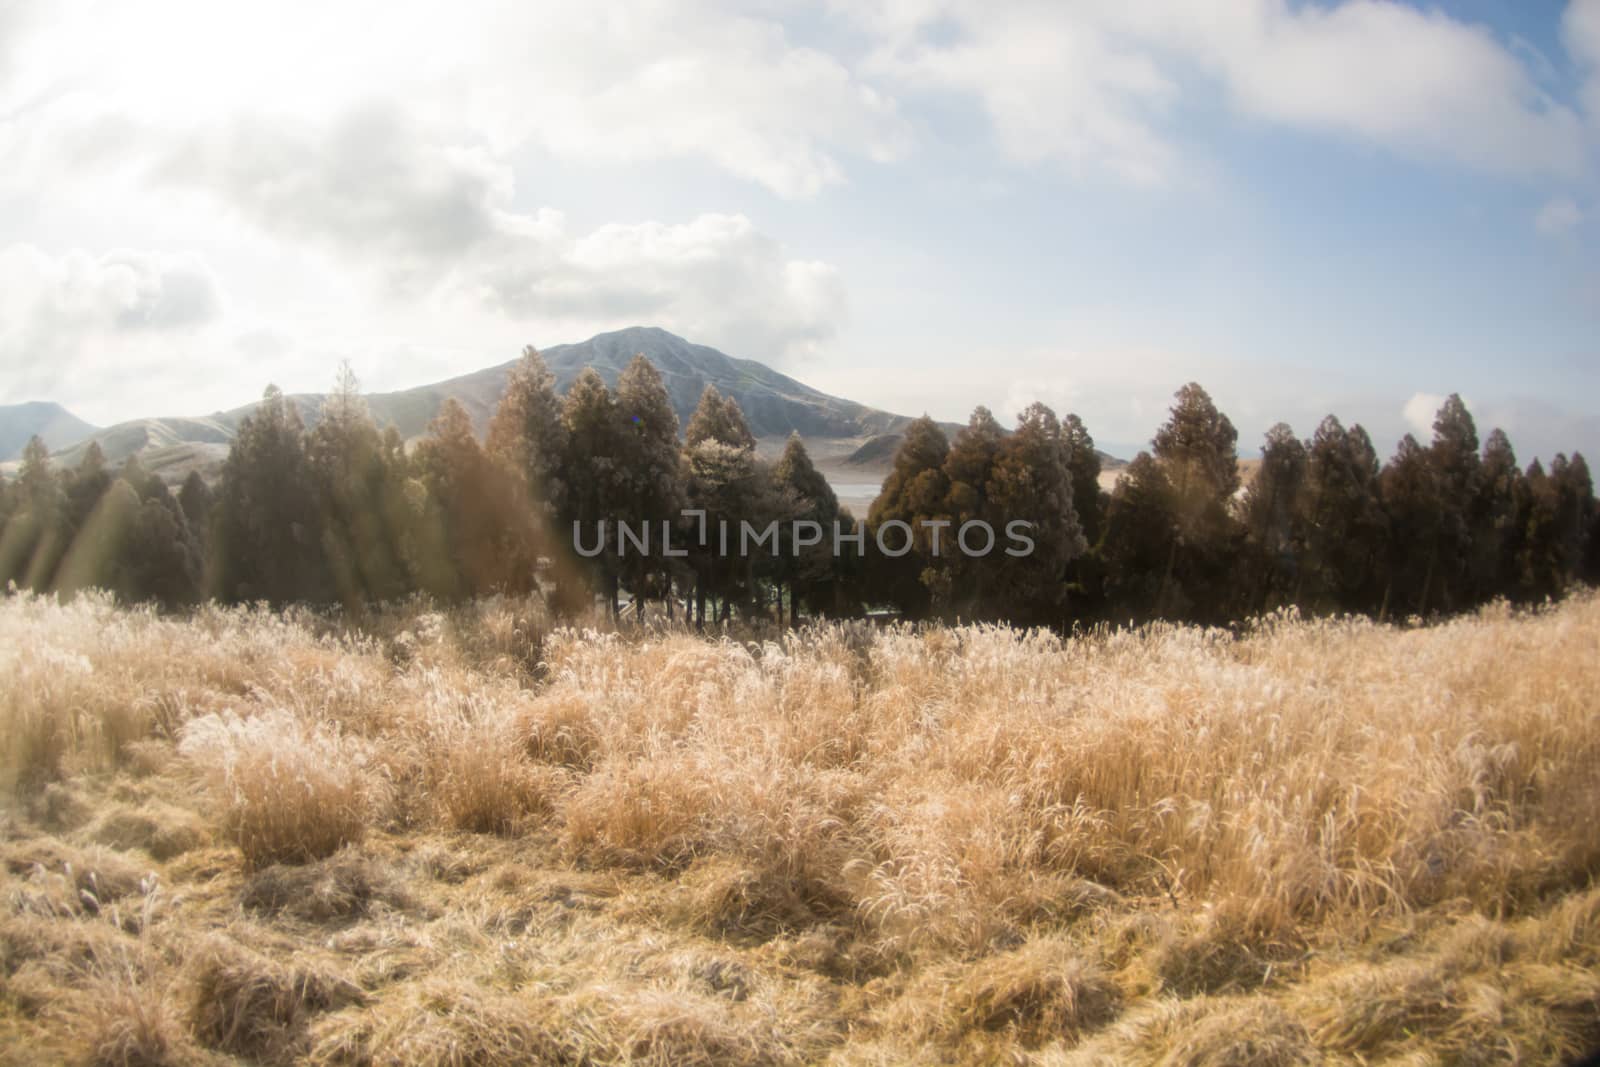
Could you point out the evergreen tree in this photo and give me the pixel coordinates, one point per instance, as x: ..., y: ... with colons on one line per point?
x: 1141, y: 532
x: 596, y: 483
x: 650, y: 476
x: 268, y: 533
x: 354, y: 483
x: 955, y: 581
x: 1454, y: 457
x: 528, y: 435
x: 1344, y: 523
x: 1494, y: 538
x: 85, y: 485
x: 1411, y: 499
x: 1032, y: 482
x: 1273, y: 511
x: 1083, y: 462
x: 486, y: 534
x: 809, y: 570
x: 916, y: 489
x: 1196, y: 449
x: 718, y: 418
x: 38, y: 534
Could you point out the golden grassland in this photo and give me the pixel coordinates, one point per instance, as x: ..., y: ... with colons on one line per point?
x: 460, y: 838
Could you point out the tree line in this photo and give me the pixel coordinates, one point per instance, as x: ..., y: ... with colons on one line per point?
x: 346, y: 514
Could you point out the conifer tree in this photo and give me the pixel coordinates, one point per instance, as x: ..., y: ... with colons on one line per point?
x: 1141, y: 530
x: 268, y: 532
x: 808, y: 569
x: 1494, y: 537
x: 1454, y: 457
x: 486, y: 535
x: 651, y: 486
x: 1411, y: 499
x: 1031, y: 482
x: 916, y: 489
x: 1273, y: 513
x: 37, y: 536
x: 353, y: 482
x: 1196, y: 449
x: 594, y: 477
x: 956, y: 582
x: 528, y: 435
x: 1344, y: 524
x: 718, y: 418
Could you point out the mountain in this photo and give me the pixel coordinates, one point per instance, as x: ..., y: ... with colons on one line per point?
x: 52, y: 422
x: 774, y: 404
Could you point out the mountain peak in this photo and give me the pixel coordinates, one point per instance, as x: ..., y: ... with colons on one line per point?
x: 57, y: 426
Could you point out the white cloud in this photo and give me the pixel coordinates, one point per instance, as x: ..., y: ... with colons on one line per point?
x: 1419, y: 412
x: 1580, y: 32
x: 1559, y: 215
x: 600, y: 80
x: 435, y: 218
x: 60, y: 316
x: 1099, y: 83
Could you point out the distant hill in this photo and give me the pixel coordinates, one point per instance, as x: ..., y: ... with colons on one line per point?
x: 877, y: 453
x: 57, y: 426
x: 774, y: 404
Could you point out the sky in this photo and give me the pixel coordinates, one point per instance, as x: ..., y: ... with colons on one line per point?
x: 924, y: 205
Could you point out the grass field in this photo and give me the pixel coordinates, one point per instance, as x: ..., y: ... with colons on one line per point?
x: 464, y: 838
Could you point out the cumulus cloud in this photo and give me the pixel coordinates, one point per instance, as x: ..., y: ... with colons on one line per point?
x: 605, y: 81
x: 58, y: 312
x: 1100, y: 82
x: 1419, y: 412
x: 435, y: 217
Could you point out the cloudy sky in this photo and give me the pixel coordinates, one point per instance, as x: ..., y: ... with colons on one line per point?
x: 921, y: 204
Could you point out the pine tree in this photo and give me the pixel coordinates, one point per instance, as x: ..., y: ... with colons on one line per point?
x: 1031, y: 482
x: 1412, y: 500
x: 1494, y: 539
x: 1273, y: 513
x: 85, y: 485
x: 487, y: 534
x: 652, y: 490
x: 1454, y: 457
x: 38, y: 534
x: 1141, y: 532
x: 1196, y: 449
x: 718, y: 418
x: 268, y: 534
x: 809, y: 570
x: 353, y: 481
x: 916, y: 489
x: 594, y: 476
x: 1083, y: 461
x: 956, y: 582
x: 527, y: 434
x: 1344, y: 524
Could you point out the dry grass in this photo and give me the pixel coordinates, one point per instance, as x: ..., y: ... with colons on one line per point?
x: 467, y: 838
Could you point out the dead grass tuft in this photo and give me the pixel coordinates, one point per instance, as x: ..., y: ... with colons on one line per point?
x: 242, y: 1003
x: 348, y: 885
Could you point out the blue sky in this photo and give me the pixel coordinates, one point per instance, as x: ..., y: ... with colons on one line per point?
x: 921, y: 204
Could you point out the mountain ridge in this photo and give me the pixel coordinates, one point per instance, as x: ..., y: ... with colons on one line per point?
x: 774, y: 404
x: 54, y: 424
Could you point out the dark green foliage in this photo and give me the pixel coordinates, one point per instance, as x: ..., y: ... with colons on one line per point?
x: 1344, y: 524
x: 1274, y: 515
x: 267, y: 541
x: 343, y: 515
x: 1032, y: 482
